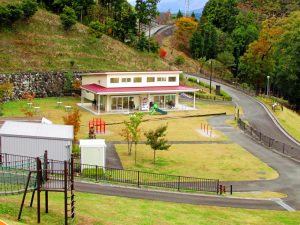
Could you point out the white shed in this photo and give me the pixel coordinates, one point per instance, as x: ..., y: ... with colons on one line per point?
x: 93, y: 152
x: 32, y: 139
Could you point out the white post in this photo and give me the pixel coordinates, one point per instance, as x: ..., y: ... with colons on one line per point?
x: 98, y: 104
x: 194, y: 100
x: 82, y: 97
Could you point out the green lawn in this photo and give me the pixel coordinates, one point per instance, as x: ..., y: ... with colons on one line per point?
x: 178, y: 128
x: 215, y: 161
x: 107, y: 210
x: 289, y: 119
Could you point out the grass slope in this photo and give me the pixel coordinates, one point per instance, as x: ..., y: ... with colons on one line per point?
x: 41, y: 44
x: 99, y: 209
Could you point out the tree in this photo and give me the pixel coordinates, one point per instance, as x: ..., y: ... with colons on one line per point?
x: 133, y: 126
x: 185, y: 28
x: 96, y: 29
x: 73, y: 119
x: 194, y: 16
x: 68, y: 18
x: 126, y: 134
x: 29, y: 8
x: 6, y: 91
x: 156, y: 140
x: 162, y: 53
x: 179, y: 14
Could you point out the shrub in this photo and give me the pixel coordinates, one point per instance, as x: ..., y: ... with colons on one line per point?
x: 15, y: 12
x: 96, y: 29
x: 179, y: 60
x: 68, y: 18
x: 29, y: 8
x: 192, y: 79
x: 4, y: 16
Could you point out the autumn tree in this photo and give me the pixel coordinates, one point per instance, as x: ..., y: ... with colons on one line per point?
x: 73, y: 119
x: 162, y: 53
x: 6, y: 91
x: 185, y: 28
x: 156, y: 140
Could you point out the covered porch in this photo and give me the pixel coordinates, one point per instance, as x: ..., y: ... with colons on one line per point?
x: 100, y: 100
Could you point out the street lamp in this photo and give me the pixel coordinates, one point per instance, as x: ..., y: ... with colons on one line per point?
x: 210, y: 76
x: 268, y: 85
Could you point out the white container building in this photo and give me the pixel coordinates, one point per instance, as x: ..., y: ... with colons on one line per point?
x: 33, y: 139
x: 93, y: 152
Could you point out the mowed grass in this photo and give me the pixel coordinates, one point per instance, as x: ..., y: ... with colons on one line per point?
x: 108, y: 210
x: 41, y: 44
x: 179, y: 129
x: 215, y: 161
x: 289, y: 119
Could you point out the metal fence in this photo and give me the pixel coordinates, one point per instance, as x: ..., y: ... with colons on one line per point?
x: 269, y: 141
x: 138, y: 178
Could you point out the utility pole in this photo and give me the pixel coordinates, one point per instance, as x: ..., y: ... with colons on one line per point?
x: 210, y: 76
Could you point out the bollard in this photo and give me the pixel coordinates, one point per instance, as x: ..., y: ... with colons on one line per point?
x: 221, y: 189
x: 224, y: 189
x: 231, y: 189
x: 283, y: 148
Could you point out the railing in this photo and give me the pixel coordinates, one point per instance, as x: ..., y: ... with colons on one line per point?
x: 139, y: 178
x: 270, y: 142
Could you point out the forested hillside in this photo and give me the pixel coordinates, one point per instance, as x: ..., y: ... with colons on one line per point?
x: 252, y: 39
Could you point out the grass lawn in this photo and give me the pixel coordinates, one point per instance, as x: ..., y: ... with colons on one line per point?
x: 216, y: 161
x: 289, y: 119
x: 109, y: 210
x: 178, y: 129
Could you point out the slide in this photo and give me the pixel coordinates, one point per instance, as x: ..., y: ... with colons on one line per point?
x: 160, y: 111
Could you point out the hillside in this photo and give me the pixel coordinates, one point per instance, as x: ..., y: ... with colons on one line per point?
x: 42, y: 45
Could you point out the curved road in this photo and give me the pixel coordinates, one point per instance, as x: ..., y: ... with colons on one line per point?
x: 257, y: 115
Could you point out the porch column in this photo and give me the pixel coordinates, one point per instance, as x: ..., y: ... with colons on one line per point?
x: 82, y: 97
x: 148, y: 102
x: 194, y: 100
x: 107, y: 104
x: 98, y: 104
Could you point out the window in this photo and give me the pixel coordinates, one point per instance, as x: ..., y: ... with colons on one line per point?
x: 137, y: 80
x: 150, y: 79
x: 126, y: 80
x: 114, y: 80
x: 172, y: 79
x: 161, y: 79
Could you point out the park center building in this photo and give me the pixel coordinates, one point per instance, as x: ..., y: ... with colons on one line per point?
x: 113, y: 92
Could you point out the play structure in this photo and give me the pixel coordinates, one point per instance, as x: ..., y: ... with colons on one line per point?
x: 98, y: 126
x: 156, y: 109
x: 24, y: 174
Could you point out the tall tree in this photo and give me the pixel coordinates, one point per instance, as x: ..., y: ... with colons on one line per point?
x: 179, y: 14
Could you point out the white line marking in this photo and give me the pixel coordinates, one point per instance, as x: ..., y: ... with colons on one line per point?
x: 284, y: 205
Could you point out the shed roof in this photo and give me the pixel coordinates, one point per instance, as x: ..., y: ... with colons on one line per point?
x: 37, y: 130
x: 92, y: 143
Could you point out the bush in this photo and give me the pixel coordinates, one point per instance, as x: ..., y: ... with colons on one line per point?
x: 179, y: 60
x: 68, y: 18
x: 29, y: 8
x: 192, y: 79
x: 15, y: 12
x: 4, y: 16
x: 96, y: 29
x: 143, y: 44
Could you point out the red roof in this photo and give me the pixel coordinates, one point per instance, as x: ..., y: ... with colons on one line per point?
x: 95, y: 88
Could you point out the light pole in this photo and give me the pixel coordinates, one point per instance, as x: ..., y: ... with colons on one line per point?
x: 268, y: 85
x: 210, y: 76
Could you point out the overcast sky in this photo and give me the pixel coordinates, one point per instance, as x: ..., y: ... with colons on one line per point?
x: 175, y: 5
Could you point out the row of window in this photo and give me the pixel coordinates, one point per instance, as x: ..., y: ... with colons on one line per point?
x: 139, y: 79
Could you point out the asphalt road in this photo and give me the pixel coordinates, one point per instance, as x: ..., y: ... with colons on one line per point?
x: 256, y: 115
x: 176, y: 197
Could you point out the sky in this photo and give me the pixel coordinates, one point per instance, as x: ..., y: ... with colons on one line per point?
x: 175, y: 5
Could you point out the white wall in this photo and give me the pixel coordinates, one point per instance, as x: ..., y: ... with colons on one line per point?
x: 99, y: 79
x: 57, y: 149
x: 144, y: 82
x: 93, y: 156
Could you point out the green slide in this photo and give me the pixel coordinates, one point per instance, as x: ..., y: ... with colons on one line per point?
x: 156, y: 109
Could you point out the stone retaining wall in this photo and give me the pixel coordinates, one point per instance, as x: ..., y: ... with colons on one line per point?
x: 44, y: 84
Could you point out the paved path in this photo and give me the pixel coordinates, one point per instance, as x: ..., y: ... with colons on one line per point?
x: 256, y: 114
x: 177, y: 197
x: 112, y: 157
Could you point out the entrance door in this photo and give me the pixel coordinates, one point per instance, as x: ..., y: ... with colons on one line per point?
x: 120, y: 103
x: 160, y: 101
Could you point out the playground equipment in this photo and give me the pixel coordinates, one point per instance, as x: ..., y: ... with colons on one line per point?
x: 98, y: 126
x: 23, y: 173
x: 206, y: 129
x: 156, y: 109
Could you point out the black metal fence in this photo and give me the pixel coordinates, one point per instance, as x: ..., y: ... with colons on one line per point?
x: 138, y: 178
x: 269, y: 141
